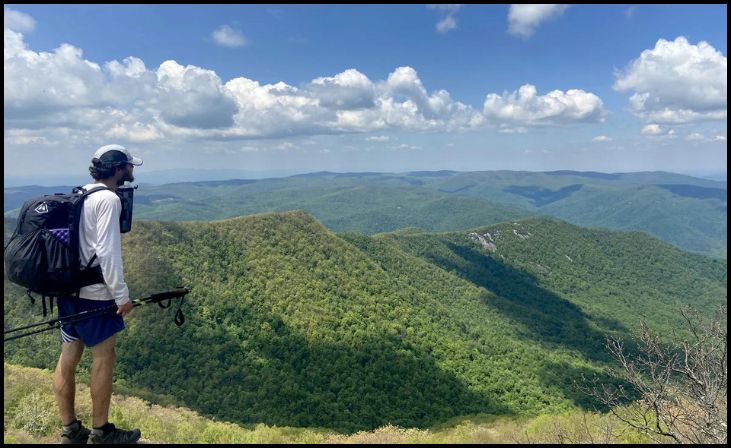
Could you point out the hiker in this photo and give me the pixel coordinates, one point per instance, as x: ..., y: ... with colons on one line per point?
x: 99, y: 236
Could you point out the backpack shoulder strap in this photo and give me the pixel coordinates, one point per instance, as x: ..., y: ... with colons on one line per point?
x: 89, y: 191
x: 83, y: 196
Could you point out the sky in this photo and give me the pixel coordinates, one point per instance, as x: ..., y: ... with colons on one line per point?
x: 347, y: 88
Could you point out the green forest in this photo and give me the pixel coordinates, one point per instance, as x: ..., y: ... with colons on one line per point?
x: 685, y: 211
x: 290, y: 324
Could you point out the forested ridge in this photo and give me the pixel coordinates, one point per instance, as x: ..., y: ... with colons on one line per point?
x: 290, y: 324
x: 686, y: 211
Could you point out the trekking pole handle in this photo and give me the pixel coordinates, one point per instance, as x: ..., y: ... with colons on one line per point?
x: 172, y: 294
x: 55, y: 323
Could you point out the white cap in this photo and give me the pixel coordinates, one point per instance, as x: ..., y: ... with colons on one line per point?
x: 116, y: 153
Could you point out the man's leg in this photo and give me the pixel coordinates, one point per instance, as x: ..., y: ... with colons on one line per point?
x: 104, y: 356
x: 64, y: 380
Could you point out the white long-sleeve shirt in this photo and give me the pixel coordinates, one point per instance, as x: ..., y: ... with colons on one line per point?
x: 99, y: 234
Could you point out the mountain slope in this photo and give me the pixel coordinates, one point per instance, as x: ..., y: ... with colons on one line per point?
x: 289, y: 324
x: 612, y: 276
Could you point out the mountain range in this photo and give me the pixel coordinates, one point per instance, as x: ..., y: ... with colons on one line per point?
x: 290, y: 324
x: 685, y: 211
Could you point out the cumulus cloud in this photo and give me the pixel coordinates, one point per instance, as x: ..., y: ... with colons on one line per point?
x: 524, y: 19
x: 420, y: 109
x: 655, y: 130
x: 74, y: 99
x: 554, y: 108
x: 274, y: 110
x: 135, y: 132
x: 448, y: 21
x: 194, y: 97
x: 18, y: 21
x: 38, y: 82
x: 601, y: 138
x: 676, y: 82
x: 61, y: 88
x: 227, y: 36
x: 347, y: 90
x: 346, y: 102
x: 652, y: 129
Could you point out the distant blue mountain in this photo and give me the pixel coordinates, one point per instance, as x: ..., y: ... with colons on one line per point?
x: 687, y: 211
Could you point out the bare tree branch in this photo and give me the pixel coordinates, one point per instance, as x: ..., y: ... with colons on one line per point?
x: 682, y: 388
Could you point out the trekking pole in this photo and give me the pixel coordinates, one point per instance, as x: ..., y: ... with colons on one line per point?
x: 74, y: 318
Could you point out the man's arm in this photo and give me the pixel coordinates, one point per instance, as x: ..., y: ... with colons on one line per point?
x: 109, y: 249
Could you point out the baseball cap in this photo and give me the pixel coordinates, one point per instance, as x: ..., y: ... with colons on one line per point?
x: 111, y: 154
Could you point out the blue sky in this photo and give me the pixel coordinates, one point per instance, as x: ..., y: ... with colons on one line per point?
x: 367, y: 87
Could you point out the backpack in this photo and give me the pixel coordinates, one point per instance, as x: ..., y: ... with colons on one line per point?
x: 42, y: 255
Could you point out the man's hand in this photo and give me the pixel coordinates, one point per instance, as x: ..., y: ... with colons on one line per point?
x: 125, y: 309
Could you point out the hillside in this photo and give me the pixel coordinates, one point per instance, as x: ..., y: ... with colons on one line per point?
x: 30, y: 418
x: 614, y: 278
x: 289, y: 324
x: 687, y: 212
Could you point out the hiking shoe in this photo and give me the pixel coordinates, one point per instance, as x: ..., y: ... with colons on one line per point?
x: 74, y: 433
x: 109, y: 434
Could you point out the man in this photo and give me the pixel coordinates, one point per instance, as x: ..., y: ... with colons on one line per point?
x: 99, y: 234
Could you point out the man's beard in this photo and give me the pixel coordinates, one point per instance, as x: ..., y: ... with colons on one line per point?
x: 128, y: 177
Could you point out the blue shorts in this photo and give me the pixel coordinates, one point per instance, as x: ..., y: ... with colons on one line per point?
x: 91, y: 330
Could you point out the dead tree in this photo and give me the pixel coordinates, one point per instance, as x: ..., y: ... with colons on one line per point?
x: 681, y: 387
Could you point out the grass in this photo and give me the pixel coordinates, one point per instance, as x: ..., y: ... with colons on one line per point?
x: 30, y: 416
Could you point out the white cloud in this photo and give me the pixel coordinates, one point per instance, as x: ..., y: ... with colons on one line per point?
x: 274, y: 110
x: 194, y: 97
x: 424, y: 111
x: 448, y: 21
x: 554, y: 108
x: 36, y: 82
x: 698, y: 137
x: 61, y: 88
x: 524, y: 19
x: 347, y: 90
x: 136, y: 132
x: 25, y: 137
x: 652, y: 129
x: 676, y: 82
x: 655, y: 130
x: 506, y: 129
x: 18, y: 21
x: 61, y: 96
x: 446, y: 24
x: 378, y: 138
x: 601, y: 138
x: 346, y: 102
x: 227, y: 36
x: 404, y: 146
